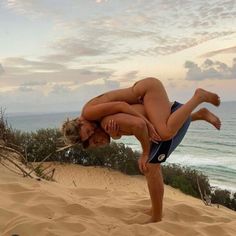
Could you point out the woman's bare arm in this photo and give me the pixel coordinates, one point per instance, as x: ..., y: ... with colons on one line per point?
x: 132, y: 125
x: 98, y: 111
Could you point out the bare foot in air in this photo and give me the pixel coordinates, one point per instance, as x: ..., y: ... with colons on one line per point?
x: 208, y: 116
x: 206, y: 96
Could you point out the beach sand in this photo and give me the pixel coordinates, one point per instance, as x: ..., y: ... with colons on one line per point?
x: 97, y: 201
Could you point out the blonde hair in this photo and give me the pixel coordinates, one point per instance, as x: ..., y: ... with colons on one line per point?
x: 71, y: 131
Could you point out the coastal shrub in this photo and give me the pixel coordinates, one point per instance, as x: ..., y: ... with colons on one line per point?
x: 116, y: 156
x: 35, y: 146
x: 184, y: 185
x: 41, y: 143
x: 185, y: 179
x: 222, y: 197
x: 233, y: 202
x: 7, y: 133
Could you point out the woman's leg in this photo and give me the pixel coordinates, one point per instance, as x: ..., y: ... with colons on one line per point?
x: 156, y: 190
x: 158, y: 109
x: 206, y: 115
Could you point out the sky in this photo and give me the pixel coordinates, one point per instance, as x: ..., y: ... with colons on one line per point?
x: 57, y: 54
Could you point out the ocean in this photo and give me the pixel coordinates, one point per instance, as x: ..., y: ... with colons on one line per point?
x: 204, y: 148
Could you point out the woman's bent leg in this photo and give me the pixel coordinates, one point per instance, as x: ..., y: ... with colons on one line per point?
x: 158, y: 109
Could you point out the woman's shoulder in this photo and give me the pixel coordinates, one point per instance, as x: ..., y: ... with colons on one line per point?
x: 95, y: 100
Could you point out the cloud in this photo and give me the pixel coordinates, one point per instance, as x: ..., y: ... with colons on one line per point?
x: 87, y: 90
x: 59, y: 57
x: 30, y: 65
x: 111, y: 84
x: 54, y: 101
x: 34, y: 83
x: 1, y: 70
x: 229, y: 50
x: 34, y: 9
x: 169, y: 45
x: 28, y: 73
x: 25, y: 89
x: 61, y: 89
x: 20, y: 6
x: 73, y: 76
x: 132, y: 75
x: 73, y: 48
x: 79, y: 47
x: 101, y: 1
x: 109, y: 30
x: 210, y: 69
x: 32, y: 86
x: 87, y: 37
x: 172, y: 83
x: 60, y: 97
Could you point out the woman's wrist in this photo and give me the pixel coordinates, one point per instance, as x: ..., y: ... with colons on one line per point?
x: 145, y: 154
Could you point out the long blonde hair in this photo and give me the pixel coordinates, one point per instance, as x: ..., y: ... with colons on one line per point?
x: 71, y: 131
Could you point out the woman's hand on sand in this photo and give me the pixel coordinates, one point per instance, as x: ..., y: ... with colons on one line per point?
x: 112, y: 128
x: 142, y: 163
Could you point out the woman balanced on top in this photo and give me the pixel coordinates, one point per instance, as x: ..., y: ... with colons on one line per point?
x: 162, y: 123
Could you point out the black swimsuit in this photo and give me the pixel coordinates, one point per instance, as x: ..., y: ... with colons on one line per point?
x: 161, y: 151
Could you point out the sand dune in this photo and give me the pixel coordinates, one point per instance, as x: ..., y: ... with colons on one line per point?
x: 96, y: 201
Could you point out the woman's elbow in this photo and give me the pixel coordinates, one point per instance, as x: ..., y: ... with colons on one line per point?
x: 139, y: 125
x: 122, y: 106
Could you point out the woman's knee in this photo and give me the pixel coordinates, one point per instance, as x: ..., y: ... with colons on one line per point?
x: 166, y: 134
x: 151, y: 81
x: 147, y: 85
x: 151, y: 177
x: 165, y: 137
x: 153, y: 171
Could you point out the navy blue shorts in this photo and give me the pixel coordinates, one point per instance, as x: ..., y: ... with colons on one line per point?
x: 161, y: 151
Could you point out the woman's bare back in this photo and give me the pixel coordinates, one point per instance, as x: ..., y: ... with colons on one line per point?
x: 131, y: 95
x: 126, y: 95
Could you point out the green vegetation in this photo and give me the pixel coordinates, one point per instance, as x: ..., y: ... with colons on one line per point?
x: 40, y: 144
x: 185, y: 179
